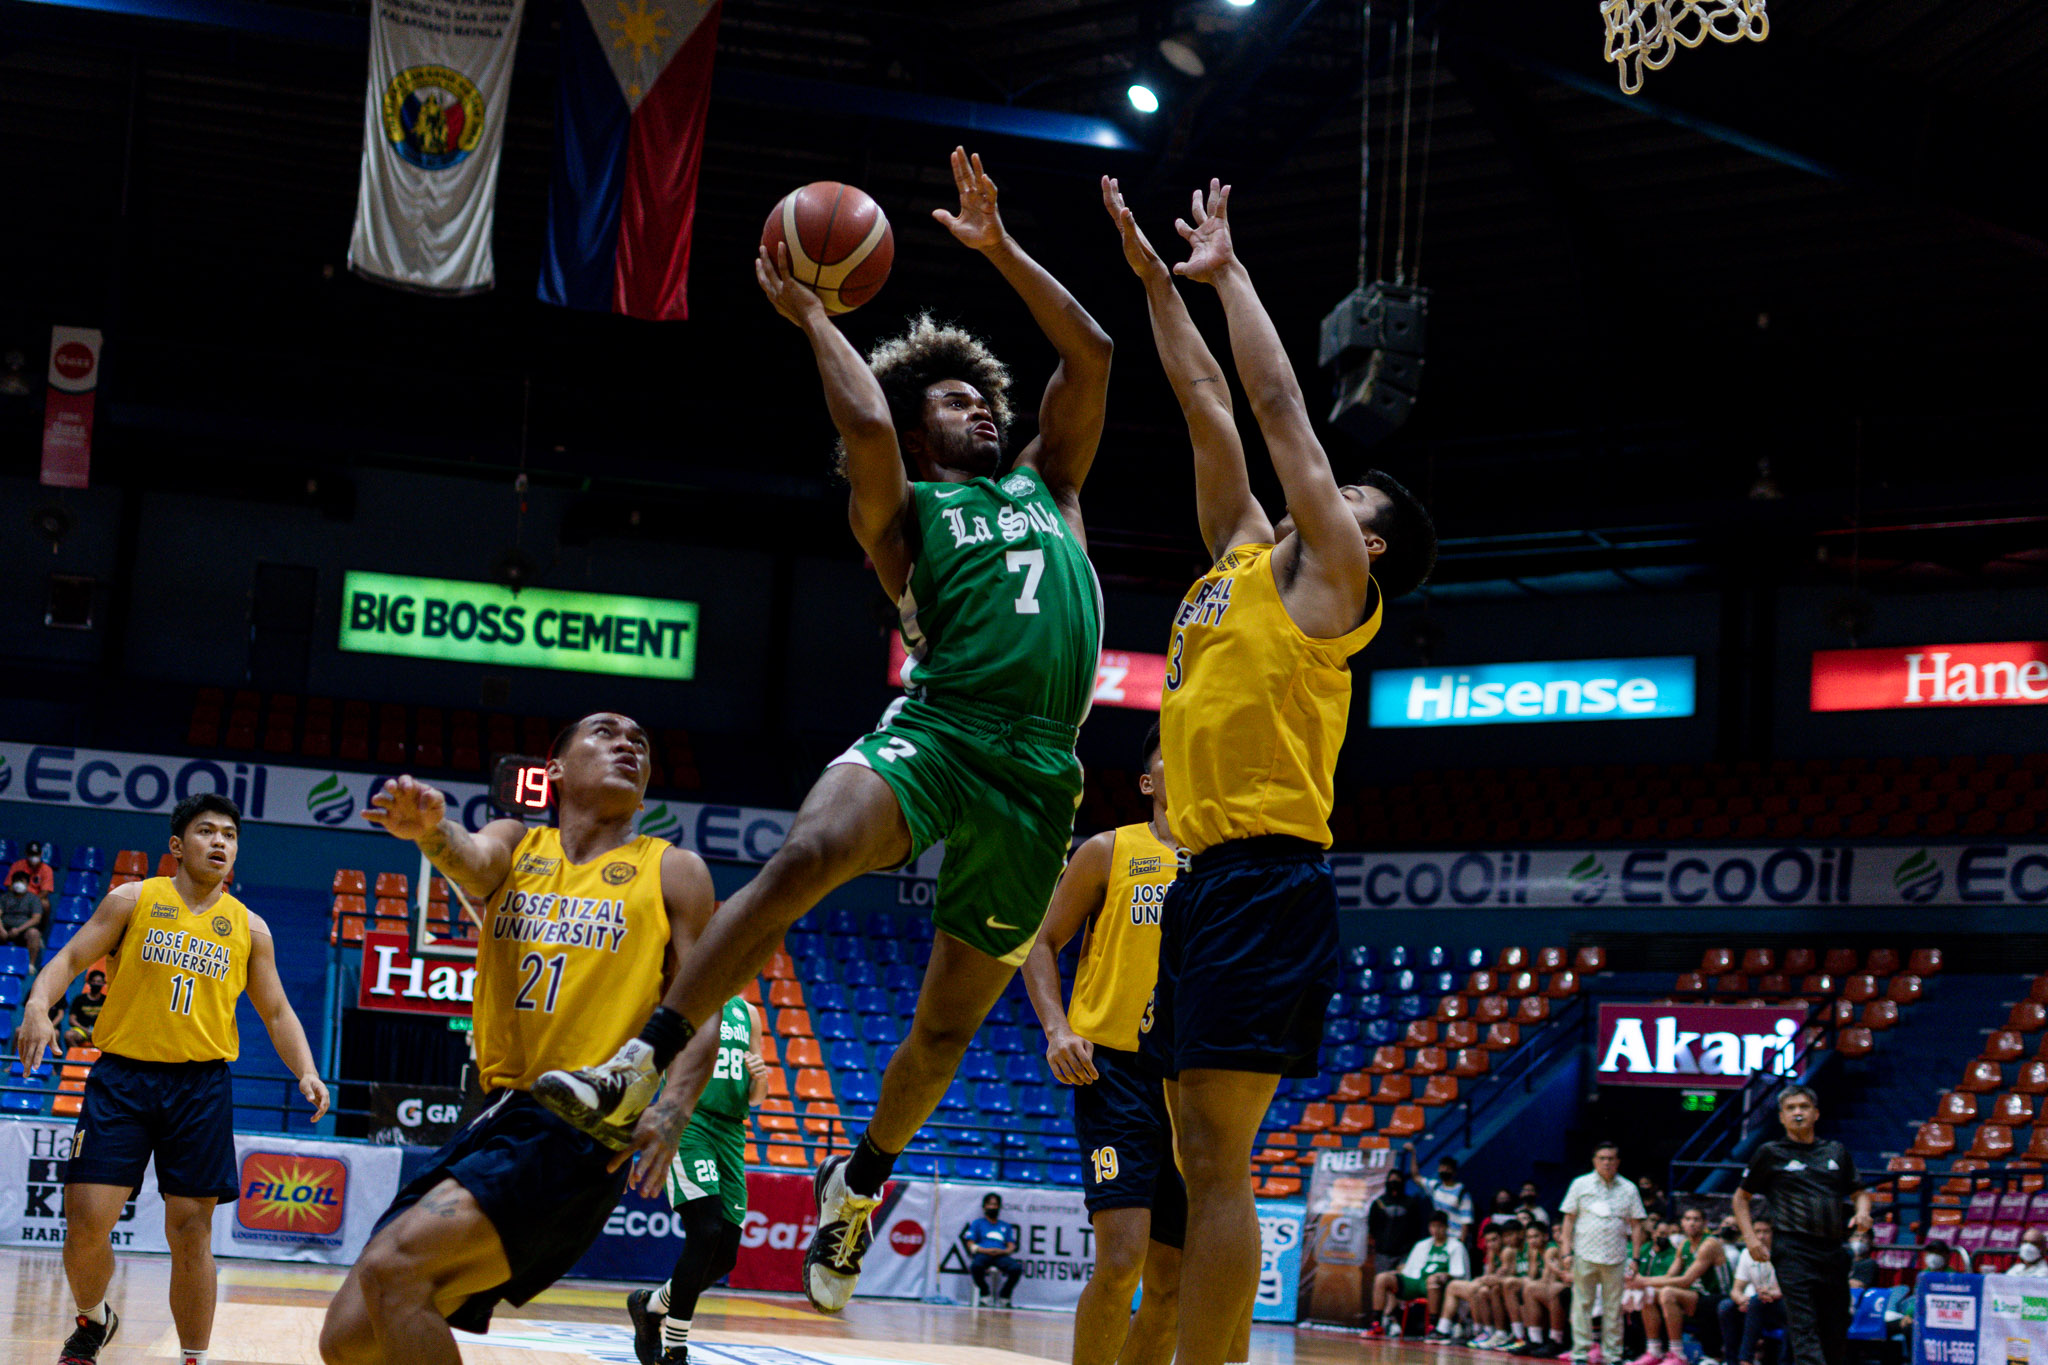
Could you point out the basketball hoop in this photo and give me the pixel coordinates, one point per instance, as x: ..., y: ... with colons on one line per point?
x: 1644, y: 35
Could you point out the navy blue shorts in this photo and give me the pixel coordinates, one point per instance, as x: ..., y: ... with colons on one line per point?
x: 182, y: 1113
x: 542, y: 1184
x: 1126, y: 1141
x: 1248, y: 960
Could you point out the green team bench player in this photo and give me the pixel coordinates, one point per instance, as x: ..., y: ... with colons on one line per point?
x: 707, y: 1186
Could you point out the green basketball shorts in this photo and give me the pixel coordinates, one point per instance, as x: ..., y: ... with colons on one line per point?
x: 1000, y: 791
x: 710, y: 1161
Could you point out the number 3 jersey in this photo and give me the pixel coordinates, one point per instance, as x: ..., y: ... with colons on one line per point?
x: 1002, y: 604
x: 569, y: 958
x: 173, y: 982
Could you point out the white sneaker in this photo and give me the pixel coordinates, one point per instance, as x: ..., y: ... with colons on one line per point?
x: 603, y: 1100
x: 832, y: 1265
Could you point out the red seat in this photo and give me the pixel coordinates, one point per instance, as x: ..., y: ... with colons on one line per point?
x: 1816, y: 985
x: 1428, y: 1061
x: 780, y: 967
x: 1475, y: 1061
x: 1421, y: 1033
x: 1481, y: 983
x: 1512, y: 959
x: 1589, y: 960
x: 1774, y: 984
x: 793, y: 1023
x: 2004, y: 1046
x: 1854, y: 1042
x: 1839, y: 961
x: 1453, y: 1007
x: 1316, y: 1118
x: 1356, y: 1118
x: 2039, y: 990
x: 1503, y: 1037
x: 1906, y: 1163
x: 1490, y: 1010
x: 1731, y: 983
x: 346, y: 883
x: 1551, y: 960
x: 1981, y: 1077
x: 1797, y: 962
x: 1533, y: 1009
x: 1352, y: 1086
x: 1881, y: 962
x: 1858, y: 989
x: 1924, y: 962
x: 1440, y: 1090
x: 1994, y: 1142
x: 1904, y: 989
x: 392, y: 884
x: 1715, y: 961
x: 1408, y: 1120
x: 1759, y: 962
x: 1461, y: 1033
x: 1880, y: 1014
x: 1518, y: 984
x: 1387, y: 1060
x: 786, y: 994
x: 1842, y: 1013
x: 2033, y: 1079
x: 1933, y: 1139
x: 804, y: 1052
x: 1562, y: 985
x: 1956, y: 1106
x: 2037, y: 1147
x: 2027, y: 1017
x: 1689, y: 983
x: 2015, y: 1110
x: 1394, y: 1089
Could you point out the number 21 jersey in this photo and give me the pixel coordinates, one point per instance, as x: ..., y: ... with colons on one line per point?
x: 569, y: 958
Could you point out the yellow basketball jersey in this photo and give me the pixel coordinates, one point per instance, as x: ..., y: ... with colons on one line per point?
x: 569, y: 958
x: 173, y: 983
x: 1254, y: 710
x: 1120, y: 958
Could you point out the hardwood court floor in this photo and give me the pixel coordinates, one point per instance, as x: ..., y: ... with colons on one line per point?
x: 270, y: 1314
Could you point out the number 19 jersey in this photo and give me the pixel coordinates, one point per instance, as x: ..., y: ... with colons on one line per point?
x: 569, y: 958
x: 1002, y: 606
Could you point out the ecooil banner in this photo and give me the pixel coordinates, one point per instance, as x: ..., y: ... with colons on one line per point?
x: 1790, y: 875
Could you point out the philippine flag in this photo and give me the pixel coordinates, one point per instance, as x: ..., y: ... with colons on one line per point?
x: 629, y: 139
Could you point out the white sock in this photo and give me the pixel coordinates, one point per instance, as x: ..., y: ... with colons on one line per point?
x: 1557, y: 1334
x: 97, y: 1313
x: 1520, y: 1330
x: 657, y: 1302
x: 1443, y: 1324
x: 188, y: 1355
x: 1654, y: 1346
x: 675, y: 1333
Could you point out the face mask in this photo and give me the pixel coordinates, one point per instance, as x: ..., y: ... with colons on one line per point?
x: 21, y: 888
x: 1858, y: 1247
x: 2029, y: 1252
x: 34, y: 858
x: 1933, y: 1262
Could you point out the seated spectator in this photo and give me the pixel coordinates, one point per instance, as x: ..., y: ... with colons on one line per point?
x: 1529, y: 1208
x: 24, y: 916
x: 1503, y: 1211
x: 1689, y: 1294
x: 994, y: 1244
x: 1431, y: 1265
x: 1478, y: 1293
x: 1936, y: 1254
x: 1754, y: 1305
x: 1656, y: 1204
x: 41, y: 878
x: 1543, y: 1299
x: 1654, y: 1259
x: 85, y: 1010
x: 1862, y: 1266
x: 2031, y: 1263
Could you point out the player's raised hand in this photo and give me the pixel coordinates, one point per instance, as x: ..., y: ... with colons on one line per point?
x: 315, y: 1091
x: 1138, y: 252
x: 36, y: 1035
x: 407, y: 808
x: 977, y: 224
x: 795, y: 301
x: 1208, y: 236
x: 653, y: 1145
x: 1071, y: 1057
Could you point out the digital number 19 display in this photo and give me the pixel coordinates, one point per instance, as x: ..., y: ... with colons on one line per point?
x: 519, y: 786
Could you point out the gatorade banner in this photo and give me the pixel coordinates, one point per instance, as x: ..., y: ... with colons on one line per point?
x: 68, y: 404
x: 1280, y: 1226
x: 433, y: 121
x: 1335, y: 1256
x: 1802, y: 875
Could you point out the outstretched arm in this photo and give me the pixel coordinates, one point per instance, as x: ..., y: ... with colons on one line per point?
x: 407, y: 808
x: 287, y: 1035
x: 1070, y: 414
x: 95, y: 938
x: 1078, y: 895
x: 1224, y: 504
x: 1329, y: 589
x: 874, y: 464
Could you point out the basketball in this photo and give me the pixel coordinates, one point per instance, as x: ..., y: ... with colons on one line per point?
x: 839, y: 242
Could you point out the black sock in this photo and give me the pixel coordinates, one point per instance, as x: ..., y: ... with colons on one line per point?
x: 667, y: 1033
x: 868, y: 1169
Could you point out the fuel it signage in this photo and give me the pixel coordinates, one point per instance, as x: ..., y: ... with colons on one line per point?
x: 1920, y: 677
x: 394, y: 979
x: 1697, y: 1047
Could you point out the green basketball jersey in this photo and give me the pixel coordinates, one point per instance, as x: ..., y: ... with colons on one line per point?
x: 711, y: 1157
x: 1002, y: 606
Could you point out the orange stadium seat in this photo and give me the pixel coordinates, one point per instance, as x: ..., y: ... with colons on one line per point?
x: 1440, y: 1090
x: 1956, y: 1106
x: 1933, y: 1139
x: 1533, y: 1009
x: 2037, y: 1145
x: 1907, y: 1164
x: 131, y: 862
x: 1562, y: 985
x: 1394, y: 1089
x: 2015, y: 1110
x: 780, y: 967
x: 783, y: 1154
x: 778, y: 1084
x: 1860, y: 988
x: 1356, y: 1118
x: 1796, y: 962
x: 786, y: 994
x: 1480, y: 983
x: 1981, y: 1077
x: 2004, y: 1046
x: 1461, y: 1033
x: 1994, y: 1142
x: 2027, y: 1017
x: 813, y: 1082
x: 2033, y: 1078
x: 1490, y: 1010
x: 776, y: 1116
x: 1387, y: 1060
x: 1924, y: 962
x: 1774, y: 984
x: 793, y: 1023
x: 764, y: 1043
x: 167, y: 866
x: 1759, y: 962
x: 1502, y: 1037
x: 1881, y: 962
x: 1839, y: 962
x: 1904, y: 989
x: 1715, y: 961
x: 1589, y: 960
x: 1421, y: 1033
x: 1854, y: 1042
x: 1880, y: 1014
x: 1511, y: 959
x: 1453, y: 1007
x: 1551, y: 960
x: 751, y: 992
x: 1518, y: 985
x: 1407, y: 1121
x: 804, y: 1052
x: 1352, y: 1086
x: 1316, y: 1117
x: 346, y: 883
x: 1472, y: 1061
x: 822, y: 1117
x: 1689, y: 983
x: 392, y: 884
x: 1428, y: 1061
x: 2039, y: 990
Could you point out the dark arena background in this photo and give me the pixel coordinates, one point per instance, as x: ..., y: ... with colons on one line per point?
x: 1712, y: 758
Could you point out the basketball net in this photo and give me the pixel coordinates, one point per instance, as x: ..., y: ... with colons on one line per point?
x: 1644, y: 35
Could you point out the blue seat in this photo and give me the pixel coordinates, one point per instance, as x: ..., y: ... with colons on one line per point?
x: 873, y: 1000
x: 89, y: 858
x: 816, y: 967
x: 884, y: 924
x: 1038, y: 1101
x: 1283, y: 1114
x: 1023, y: 1069
x: 1381, y: 1032
x: 906, y: 1003
x: 1439, y: 983
x: 1065, y: 1173
x: 60, y: 934
x: 855, y: 1088
x: 10, y: 991
x: 1005, y: 1012
x: 902, y: 976
x: 1473, y: 960
x: 834, y: 1026
x: 921, y: 952
x: 886, y: 952
x: 1362, y: 956
x: 1410, y: 1007
x: 883, y: 1028
x: 1432, y: 958
x: 826, y: 996
x: 959, y: 1099
x: 1349, y: 1057
x: 802, y: 943
x: 1004, y: 1039
x: 71, y: 910
x: 974, y: 1168
x: 840, y: 920
x: 1010, y: 1140
x: 918, y: 1163
x: 1364, y: 981
x: 11, y: 1103
x: 994, y: 1098
x: 1401, y: 982
x: 1372, y: 1006
x: 980, y: 1066
x: 1024, y: 1172
x: 844, y: 1055
x: 1397, y: 956
x: 1339, y: 1006
x: 884, y: 1053
x: 1063, y: 1144
x: 40, y: 1073
x: 850, y: 949
x: 8, y: 853
x: 13, y: 960
x: 861, y: 973
x: 80, y: 883
x: 53, y: 854
x: 1341, y: 1031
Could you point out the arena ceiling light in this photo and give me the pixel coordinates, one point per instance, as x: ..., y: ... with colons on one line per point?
x: 1143, y: 98
x: 1240, y: 4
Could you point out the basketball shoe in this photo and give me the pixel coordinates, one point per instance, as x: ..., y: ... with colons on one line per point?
x: 603, y: 1100
x: 82, y: 1347
x: 832, y: 1265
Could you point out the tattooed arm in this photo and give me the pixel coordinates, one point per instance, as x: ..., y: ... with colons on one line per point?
x: 409, y: 809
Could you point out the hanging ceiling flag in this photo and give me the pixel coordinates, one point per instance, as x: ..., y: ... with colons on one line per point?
x: 67, y: 406
x: 629, y: 139
x: 433, y: 121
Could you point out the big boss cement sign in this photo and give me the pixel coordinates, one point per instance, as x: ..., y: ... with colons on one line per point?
x: 1699, y: 1047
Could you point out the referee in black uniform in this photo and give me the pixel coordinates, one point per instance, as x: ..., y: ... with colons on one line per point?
x: 1806, y: 1183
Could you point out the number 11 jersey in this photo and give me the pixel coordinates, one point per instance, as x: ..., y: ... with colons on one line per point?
x: 173, y: 982
x: 569, y: 958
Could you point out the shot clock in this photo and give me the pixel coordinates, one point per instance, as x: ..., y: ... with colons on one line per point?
x: 519, y: 786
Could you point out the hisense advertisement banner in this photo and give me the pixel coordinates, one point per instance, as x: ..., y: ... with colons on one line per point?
x: 1534, y: 693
